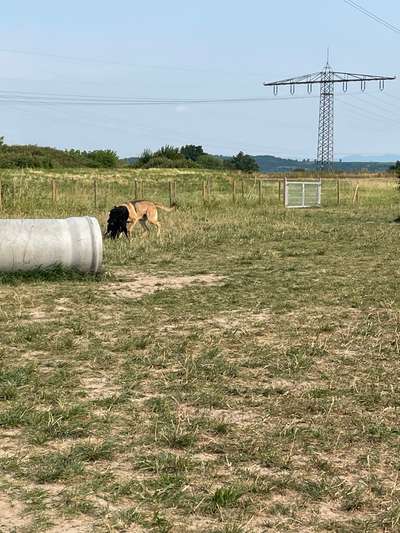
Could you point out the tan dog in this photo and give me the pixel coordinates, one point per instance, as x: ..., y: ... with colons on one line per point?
x: 123, y: 218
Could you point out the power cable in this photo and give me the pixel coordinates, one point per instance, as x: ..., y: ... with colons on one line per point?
x: 379, y: 109
x: 369, y: 114
x: 40, y: 99
x: 372, y: 16
x: 97, y: 61
x: 392, y: 96
x: 384, y: 104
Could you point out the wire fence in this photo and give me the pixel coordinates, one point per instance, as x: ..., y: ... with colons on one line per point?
x: 31, y: 195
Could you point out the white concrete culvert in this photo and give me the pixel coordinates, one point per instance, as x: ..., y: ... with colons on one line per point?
x: 29, y: 244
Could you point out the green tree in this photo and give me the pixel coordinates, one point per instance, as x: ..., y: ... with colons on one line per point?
x: 243, y: 162
x: 104, y: 158
x: 169, y: 152
x: 395, y: 168
x: 144, y: 157
x: 209, y: 161
x: 192, y: 152
x: 164, y: 162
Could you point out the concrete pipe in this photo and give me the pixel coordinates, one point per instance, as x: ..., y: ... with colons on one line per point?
x: 28, y: 244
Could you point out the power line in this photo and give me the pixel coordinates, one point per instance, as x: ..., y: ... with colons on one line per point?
x: 111, y: 62
x: 372, y: 16
x: 166, y: 134
x: 369, y: 114
x: 53, y: 99
x: 387, y: 107
x: 376, y: 107
x: 392, y: 96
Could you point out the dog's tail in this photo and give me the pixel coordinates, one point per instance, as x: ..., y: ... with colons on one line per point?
x: 165, y: 208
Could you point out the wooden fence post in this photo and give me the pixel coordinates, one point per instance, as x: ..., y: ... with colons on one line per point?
x: 174, y: 189
x: 234, y: 190
x: 136, y: 192
x: 209, y: 188
x: 259, y: 191
x: 106, y: 186
x: 279, y: 190
x: 355, y: 195
x: 142, y: 188
x: 242, y: 188
x: 53, y: 191
x: 14, y: 192
x: 337, y: 192
x: 95, y: 192
x: 204, y: 191
x: 171, y: 194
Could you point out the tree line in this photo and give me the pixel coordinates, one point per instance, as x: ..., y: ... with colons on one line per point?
x: 192, y: 156
x: 32, y: 156
x: 188, y: 156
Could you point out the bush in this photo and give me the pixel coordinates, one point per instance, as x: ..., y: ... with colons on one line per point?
x: 169, y: 152
x: 144, y: 158
x: 209, y: 161
x: 192, y: 156
x: 164, y: 162
x: 243, y: 162
x: 104, y: 158
x: 32, y: 156
x: 192, y: 152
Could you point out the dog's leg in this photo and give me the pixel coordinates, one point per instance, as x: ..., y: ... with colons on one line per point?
x: 146, y: 230
x: 131, y: 226
x: 153, y: 219
x: 158, y: 226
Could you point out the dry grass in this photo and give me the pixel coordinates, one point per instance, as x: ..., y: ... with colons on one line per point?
x: 240, y: 376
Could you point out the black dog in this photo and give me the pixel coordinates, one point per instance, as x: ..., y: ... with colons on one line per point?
x: 117, y: 222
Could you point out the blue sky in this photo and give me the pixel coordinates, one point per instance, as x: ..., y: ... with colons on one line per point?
x: 210, y: 49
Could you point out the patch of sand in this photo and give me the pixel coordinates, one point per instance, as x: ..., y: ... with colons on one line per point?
x: 78, y: 525
x: 142, y: 284
x: 11, y: 519
x: 98, y: 387
x: 10, y: 443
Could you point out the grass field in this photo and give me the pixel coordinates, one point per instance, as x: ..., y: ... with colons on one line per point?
x: 242, y: 375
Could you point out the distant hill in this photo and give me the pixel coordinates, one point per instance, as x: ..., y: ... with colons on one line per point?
x: 385, y: 158
x: 129, y: 160
x: 269, y: 163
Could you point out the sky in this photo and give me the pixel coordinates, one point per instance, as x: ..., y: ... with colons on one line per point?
x: 181, y: 50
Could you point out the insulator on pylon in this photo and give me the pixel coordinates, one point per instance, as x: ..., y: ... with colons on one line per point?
x: 292, y: 88
x: 275, y: 89
x: 381, y: 84
x: 345, y: 86
x: 309, y: 88
x: 363, y: 85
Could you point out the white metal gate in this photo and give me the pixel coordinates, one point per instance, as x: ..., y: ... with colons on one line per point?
x: 302, y: 193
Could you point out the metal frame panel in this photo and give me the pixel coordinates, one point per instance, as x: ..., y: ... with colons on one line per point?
x: 297, y: 194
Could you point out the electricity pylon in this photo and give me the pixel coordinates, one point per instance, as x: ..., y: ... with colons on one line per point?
x: 326, y: 79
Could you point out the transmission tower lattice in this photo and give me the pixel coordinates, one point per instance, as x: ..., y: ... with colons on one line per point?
x: 326, y: 79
